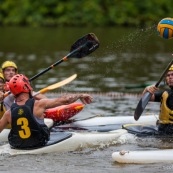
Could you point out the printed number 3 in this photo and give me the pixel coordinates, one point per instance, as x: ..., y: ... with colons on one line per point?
x: 25, y: 132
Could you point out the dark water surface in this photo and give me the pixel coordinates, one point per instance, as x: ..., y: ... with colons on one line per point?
x: 126, y: 57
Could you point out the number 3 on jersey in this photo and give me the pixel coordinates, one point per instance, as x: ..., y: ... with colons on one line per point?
x: 25, y: 132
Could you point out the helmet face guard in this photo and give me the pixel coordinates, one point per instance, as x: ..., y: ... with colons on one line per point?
x: 19, y: 84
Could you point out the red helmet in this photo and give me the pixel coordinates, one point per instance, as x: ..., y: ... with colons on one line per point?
x: 19, y: 84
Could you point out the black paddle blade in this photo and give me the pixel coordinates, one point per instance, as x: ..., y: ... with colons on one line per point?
x: 141, y: 105
x: 84, y: 46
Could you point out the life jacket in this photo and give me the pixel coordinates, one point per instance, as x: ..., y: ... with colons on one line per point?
x: 26, y: 132
x: 166, y: 114
x: 2, y: 111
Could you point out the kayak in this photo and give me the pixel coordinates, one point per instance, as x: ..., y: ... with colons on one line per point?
x: 143, y: 130
x: 64, y: 112
x: 69, y: 141
x: 148, y: 131
x: 75, y: 140
x: 100, y: 124
x: 149, y: 156
x: 146, y: 119
x: 146, y: 156
x: 108, y: 122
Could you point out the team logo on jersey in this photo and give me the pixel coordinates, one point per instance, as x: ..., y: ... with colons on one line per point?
x: 20, y: 111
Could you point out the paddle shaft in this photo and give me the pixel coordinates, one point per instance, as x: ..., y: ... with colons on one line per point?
x: 55, y: 64
x: 47, y: 69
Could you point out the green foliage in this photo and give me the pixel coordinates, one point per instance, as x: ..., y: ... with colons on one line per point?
x: 84, y: 12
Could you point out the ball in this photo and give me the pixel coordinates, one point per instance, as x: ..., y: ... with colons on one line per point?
x: 165, y: 28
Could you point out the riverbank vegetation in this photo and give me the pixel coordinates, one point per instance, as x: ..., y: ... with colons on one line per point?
x: 83, y: 12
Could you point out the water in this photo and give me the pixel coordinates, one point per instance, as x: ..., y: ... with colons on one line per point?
x: 126, y: 57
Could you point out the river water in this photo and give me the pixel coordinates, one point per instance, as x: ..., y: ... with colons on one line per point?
x: 125, y: 58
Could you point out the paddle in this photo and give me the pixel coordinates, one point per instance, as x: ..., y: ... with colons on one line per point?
x: 146, y: 97
x: 56, y: 85
x: 81, y: 48
x: 53, y: 86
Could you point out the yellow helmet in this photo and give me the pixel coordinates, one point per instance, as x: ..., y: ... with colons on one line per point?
x: 171, y: 68
x: 9, y: 64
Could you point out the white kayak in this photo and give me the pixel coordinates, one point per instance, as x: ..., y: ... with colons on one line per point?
x: 72, y: 141
x: 69, y: 141
x: 99, y: 121
x: 144, y: 157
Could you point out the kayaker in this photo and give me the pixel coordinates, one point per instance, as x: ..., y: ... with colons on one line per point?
x: 26, y: 115
x: 165, y: 123
x: 2, y: 82
x: 9, y: 69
